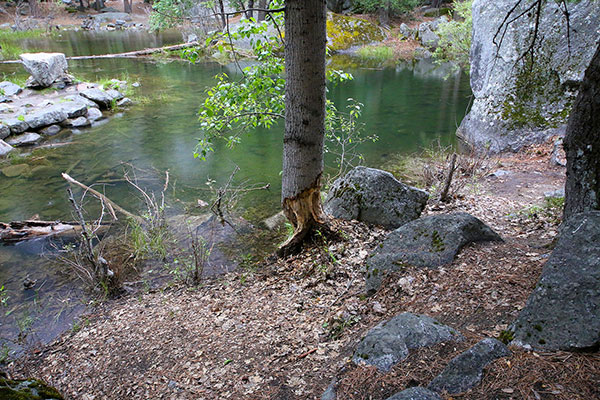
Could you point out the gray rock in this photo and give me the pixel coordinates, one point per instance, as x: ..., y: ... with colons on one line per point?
x: 466, y: 370
x: 4, y: 131
x: 9, y: 88
x: 114, y: 94
x: 45, y: 68
x: 111, y: 16
x: 389, y: 342
x: 5, y: 148
x: 406, y: 32
x: 44, y: 117
x: 427, y: 36
x: 340, y: 6
x: 375, y: 197
x: 75, y: 98
x: 563, y: 312
x: 50, y: 130
x: 16, y: 125
x: 513, y: 107
x: 73, y: 109
x: 499, y: 173
x: 25, y: 139
x: 78, y: 122
x: 100, y: 97
x: 330, y: 393
x: 428, y: 242
x: 415, y: 393
x: 124, y: 102
x: 93, y: 114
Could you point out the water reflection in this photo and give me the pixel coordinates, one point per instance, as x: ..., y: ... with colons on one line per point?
x: 408, y: 107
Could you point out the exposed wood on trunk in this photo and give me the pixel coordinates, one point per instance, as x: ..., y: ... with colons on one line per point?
x: 305, y: 46
x: 112, y: 206
x: 129, y: 54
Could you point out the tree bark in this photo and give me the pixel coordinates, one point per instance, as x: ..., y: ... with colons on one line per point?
x: 262, y: 4
x: 305, y: 33
x: 582, y: 145
x: 127, y: 6
x: 250, y: 13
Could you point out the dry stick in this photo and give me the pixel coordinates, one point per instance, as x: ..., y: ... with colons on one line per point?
x: 109, y: 202
x: 444, y: 194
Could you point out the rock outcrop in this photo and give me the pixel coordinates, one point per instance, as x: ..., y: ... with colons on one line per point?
x: 389, y: 342
x: 563, y: 312
x: 466, y: 370
x: 427, y: 242
x: 518, y: 102
x: 374, y: 197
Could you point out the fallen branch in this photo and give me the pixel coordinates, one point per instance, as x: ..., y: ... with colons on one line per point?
x: 111, y: 204
x: 129, y: 54
x: 17, y: 231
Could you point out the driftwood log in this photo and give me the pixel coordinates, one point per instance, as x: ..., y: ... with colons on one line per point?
x: 23, y: 230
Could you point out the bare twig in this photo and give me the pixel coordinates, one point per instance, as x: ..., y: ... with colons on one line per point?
x: 448, y: 182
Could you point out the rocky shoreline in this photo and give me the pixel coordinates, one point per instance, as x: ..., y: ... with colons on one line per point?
x: 52, y: 101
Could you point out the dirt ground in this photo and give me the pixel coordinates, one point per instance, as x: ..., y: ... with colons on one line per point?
x: 55, y: 13
x: 284, y: 330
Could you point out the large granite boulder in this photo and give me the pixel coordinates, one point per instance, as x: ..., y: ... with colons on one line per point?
x: 375, y: 197
x: 415, y: 393
x: 518, y: 102
x: 45, y: 68
x: 466, y: 370
x: 389, y: 342
x: 427, y: 242
x: 563, y: 312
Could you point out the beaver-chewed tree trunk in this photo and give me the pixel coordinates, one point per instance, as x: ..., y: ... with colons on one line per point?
x: 582, y: 145
x: 305, y: 43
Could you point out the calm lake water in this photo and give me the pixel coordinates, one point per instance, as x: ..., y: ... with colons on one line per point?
x: 407, y: 107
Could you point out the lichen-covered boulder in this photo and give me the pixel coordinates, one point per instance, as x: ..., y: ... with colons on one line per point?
x: 415, y: 393
x: 517, y: 102
x: 28, y: 389
x: 466, y: 370
x: 45, y: 68
x: 389, y: 342
x: 427, y: 242
x: 563, y: 312
x: 344, y: 31
x: 374, y: 197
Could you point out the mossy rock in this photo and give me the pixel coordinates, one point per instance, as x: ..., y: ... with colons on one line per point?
x: 28, y: 389
x: 344, y: 32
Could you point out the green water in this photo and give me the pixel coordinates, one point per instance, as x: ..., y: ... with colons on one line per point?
x: 408, y: 107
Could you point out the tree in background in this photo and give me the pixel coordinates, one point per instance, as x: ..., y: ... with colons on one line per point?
x: 455, y: 36
x: 386, y: 8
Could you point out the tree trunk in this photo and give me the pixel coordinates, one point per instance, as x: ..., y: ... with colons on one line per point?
x: 261, y: 14
x: 305, y: 34
x: 223, y: 16
x: 34, y: 8
x: 127, y: 6
x: 250, y: 13
x: 582, y: 145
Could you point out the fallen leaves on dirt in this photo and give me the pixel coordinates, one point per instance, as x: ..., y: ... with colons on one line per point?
x: 285, y: 330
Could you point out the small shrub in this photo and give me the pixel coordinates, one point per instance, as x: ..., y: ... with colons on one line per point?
x: 455, y: 37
